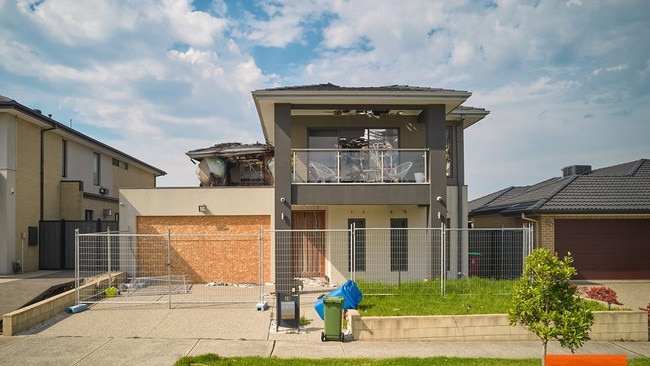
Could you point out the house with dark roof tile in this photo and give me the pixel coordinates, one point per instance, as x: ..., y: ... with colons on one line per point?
x: 601, y: 216
x: 51, y: 173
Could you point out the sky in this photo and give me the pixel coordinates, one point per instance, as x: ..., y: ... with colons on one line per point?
x: 566, y: 81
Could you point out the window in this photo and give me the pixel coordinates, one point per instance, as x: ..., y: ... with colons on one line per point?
x: 353, y: 138
x: 449, y: 152
x: 96, y: 169
x: 359, y: 149
x: 64, y: 158
x: 359, y: 245
x: 120, y: 164
x: 89, y: 215
x: 399, y: 246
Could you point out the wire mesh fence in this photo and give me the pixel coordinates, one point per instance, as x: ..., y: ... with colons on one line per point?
x: 181, y: 268
x: 210, y: 268
x: 383, y: 261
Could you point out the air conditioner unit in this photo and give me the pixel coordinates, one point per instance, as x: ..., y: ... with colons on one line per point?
x: 103, y: 190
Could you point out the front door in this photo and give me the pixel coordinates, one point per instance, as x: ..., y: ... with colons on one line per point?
x: 308, y: 243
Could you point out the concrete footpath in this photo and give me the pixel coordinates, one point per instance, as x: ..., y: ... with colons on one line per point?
x: 156, y: 335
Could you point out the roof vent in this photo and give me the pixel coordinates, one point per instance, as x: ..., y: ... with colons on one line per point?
x: 576, y: 170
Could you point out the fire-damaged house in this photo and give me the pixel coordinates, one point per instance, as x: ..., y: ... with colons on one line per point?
x: 372, y: 157
x: 389, y: 158
x: 234, y: 164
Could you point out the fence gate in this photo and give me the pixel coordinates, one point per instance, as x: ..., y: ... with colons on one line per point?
x: 172, y: 268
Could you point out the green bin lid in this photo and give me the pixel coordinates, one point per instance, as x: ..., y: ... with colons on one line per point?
x: 333, y: 299
x: 474, y: 253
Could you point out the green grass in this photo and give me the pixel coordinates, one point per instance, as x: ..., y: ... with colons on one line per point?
x: 215, y: 360
x: 462, y: 297
x: 466, y: 296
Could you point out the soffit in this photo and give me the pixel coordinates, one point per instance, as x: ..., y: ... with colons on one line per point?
x: 328, y: 99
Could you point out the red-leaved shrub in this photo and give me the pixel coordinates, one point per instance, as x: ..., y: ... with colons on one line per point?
x: 602, y: 293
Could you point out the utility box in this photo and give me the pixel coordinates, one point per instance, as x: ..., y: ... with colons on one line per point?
x: 288, y: 308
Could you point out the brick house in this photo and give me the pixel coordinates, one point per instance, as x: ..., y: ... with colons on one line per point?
x: 601, y: 216
x: 49, y: 171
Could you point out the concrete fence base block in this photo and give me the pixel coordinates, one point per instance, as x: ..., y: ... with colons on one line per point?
x: 629, y: 325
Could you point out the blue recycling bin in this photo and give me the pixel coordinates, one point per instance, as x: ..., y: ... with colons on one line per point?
x: 349, y: 291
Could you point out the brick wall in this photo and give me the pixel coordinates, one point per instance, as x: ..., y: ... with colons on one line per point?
x: 233, y: 256
x: 71, y: 197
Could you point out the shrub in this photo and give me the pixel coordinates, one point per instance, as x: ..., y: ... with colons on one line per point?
x: 544, y: 301
x: 602, y: 293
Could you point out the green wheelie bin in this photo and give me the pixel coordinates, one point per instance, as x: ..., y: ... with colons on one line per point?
x: 333, y: 318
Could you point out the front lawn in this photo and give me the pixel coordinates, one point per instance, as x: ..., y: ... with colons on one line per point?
x: 463, y: 296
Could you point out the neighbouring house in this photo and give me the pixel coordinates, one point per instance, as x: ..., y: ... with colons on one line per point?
x: 51, y: 172
x: 372, y: 157
x: 601, y: 216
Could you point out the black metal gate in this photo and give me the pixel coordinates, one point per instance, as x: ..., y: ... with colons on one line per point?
x: 56, y: 240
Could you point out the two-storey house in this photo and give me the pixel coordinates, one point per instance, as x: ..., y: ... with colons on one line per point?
x: 385, y: 157
x: 49, y: 171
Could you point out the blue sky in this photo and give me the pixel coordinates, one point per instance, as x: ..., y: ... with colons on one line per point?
x: 567, y: 81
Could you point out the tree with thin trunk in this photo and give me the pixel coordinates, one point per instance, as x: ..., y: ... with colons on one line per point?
x: 544, y: 301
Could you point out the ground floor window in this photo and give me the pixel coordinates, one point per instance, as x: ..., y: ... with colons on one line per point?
x: 359, y: 244
x: 399, y: 251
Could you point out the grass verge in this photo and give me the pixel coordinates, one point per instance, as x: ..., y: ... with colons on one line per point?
x: 215, y: 360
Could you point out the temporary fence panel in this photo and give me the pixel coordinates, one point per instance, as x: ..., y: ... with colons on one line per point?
x: 316, y: 256
x: 210, y: 268
x: 406, y: 258
x: 155, y: 268
x: 495, y: 253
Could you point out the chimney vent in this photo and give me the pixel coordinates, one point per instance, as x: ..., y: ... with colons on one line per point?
x: 576, y: 170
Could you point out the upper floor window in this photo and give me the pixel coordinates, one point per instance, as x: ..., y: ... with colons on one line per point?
x: 120, y: 164
x: 96, y: 168
x: 64, y: 158
x: 354, y: 138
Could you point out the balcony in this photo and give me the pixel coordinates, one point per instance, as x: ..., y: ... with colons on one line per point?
x: 359, y: 166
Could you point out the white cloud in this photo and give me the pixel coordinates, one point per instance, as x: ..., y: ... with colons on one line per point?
x: 620, y: 67
x: 180, y: 78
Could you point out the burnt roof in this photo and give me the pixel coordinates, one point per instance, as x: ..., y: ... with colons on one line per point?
x: 622, y: 188
x: 231, y: 149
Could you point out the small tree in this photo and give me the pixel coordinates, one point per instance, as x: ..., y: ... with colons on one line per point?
x: 544, y: 302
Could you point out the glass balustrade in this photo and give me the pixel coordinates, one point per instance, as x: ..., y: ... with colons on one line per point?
x: 362, y: 166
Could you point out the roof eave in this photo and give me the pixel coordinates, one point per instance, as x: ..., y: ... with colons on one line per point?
x: 266, y: 99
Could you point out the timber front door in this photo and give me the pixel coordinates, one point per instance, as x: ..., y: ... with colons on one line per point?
x: 308, y: 243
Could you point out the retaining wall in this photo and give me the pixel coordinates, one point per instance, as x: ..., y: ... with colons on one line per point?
x: 27, y: 317
x: 608, y: 326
